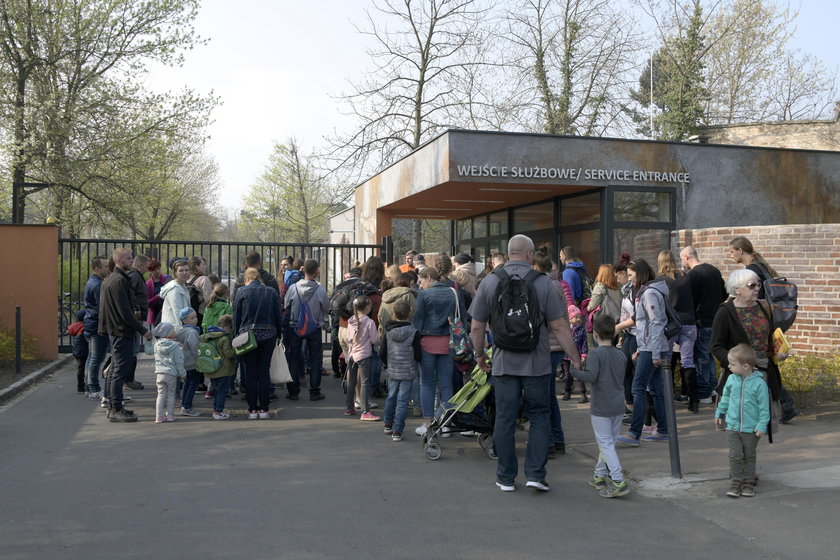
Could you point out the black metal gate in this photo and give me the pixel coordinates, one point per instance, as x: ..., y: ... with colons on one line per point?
x: 226, y: 260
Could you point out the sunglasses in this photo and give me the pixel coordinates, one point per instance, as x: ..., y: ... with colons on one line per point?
x: 752, y: 285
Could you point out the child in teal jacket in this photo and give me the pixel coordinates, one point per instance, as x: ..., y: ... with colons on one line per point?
x: 745, y: 404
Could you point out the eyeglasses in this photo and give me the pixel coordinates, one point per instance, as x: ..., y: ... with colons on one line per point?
x: 752, y: 285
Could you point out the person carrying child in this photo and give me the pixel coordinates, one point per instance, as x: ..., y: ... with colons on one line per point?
x: 169, y: 367
x: 745, y: 404
x: 361, y: 338
x: 79, y: 345
x: 400, y: 354
x: 216, y: 341
x: 579, y: 335
x: 605, y: 371
x: 188, y: 337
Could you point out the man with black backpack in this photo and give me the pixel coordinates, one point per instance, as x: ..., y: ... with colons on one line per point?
x: 308, y: 306
x: 520, y: 305
x: 575, y: 275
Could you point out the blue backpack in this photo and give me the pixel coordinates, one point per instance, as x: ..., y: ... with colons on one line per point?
x: 306, y: 323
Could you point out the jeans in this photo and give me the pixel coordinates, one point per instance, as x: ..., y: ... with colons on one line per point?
x: 435, y: 369
x: 375, y: 373
x: 648, y: 377
x: 222, y: 386
x: 255, y: 366
x: 396, y: 405
x: 122, y: 351
x: 706, y: 378
x: 190, y: 385
x: 306, y: 351
x: 509, y: 390
x: 97, y: 349
x: 556, y: 435
x: 687, y: 339
x: 629, y: 347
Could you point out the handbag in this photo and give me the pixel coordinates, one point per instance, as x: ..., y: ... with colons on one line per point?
x: 460, y: 344
x: 279, y: 371
x: 244, y: 342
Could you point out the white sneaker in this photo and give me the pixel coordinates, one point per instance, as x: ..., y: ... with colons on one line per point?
x: 505, y: 487
x: 469, y: 433
x: 189, y: 412
x: 420, y: 430
x: 446, y: 432
x: 707, y: 400
x: 253, y: 415
x: 220, y: 415
x: 264, y: 415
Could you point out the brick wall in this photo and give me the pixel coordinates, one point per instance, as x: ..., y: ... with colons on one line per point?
x: 808, y: 255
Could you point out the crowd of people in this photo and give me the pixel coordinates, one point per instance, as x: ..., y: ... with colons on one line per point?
x: 608, y: 332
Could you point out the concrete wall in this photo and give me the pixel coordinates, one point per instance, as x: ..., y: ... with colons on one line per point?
x: 806, y: 135
x: 29, y: 261
x: 808, y: 255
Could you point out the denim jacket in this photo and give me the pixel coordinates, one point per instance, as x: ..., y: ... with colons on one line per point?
x: 258, y: 306
x: 434, y: 307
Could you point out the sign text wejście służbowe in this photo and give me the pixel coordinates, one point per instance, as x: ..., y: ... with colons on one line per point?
x: 572, y: 174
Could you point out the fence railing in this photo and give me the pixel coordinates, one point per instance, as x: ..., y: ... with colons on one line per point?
x: 226, y: 260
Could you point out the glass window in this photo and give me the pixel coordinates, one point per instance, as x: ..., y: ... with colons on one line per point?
x: 579, y: 210
x: 463, y: 229
x: 480, y: 227
x: 499, y: 223
x: 642, y: 243
x: 633, y: 206
x: 587, y: 243
x: 480, y: 257
x: 462, y: 248
x: 534, y: 217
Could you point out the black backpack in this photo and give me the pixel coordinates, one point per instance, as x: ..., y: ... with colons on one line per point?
x: 341, y: 302
x: 515, y: 312
x: 196, y: 296
x: 586, y: 283
x: 782, y: 297
x: 674, y: 325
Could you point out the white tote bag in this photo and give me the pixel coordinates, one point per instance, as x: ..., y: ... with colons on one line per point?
x: 279, y: 367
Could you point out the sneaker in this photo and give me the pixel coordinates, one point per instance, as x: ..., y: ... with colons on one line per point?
x: 220, y: 415
x: 209, y: 395
x: 122, y: 416
x: 133, y: 385
x: 373, y: 405
x: 160, y: 419
x: 446, y: 432
x: 627, y: 439
x: 264, y: 415
x: 615, y: 489
x: 388, y: 429
x: 420, y: 430
x: 96, y: 395
x: 369, y: 417
x: 598, y: 482
x: 253, y: 415
x: 734, y: 489
x: 170, y: 417
x: 583, y: 400
x: 469, y: 433
x: 396, y: 436
x: 747, y: 491
x: 357, y: 404
x: 189, y: 412
x: 648, y: 429
x: 349, y: 411
x: 707, y: 400
x: 655, y: 436
x: 505, y: 487
x: 540, y: 485
x: 318, y: 397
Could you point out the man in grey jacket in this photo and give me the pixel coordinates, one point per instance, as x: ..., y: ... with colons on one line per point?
x: 306, y: 348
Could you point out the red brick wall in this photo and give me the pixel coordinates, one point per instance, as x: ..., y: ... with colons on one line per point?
x: 808, y: 255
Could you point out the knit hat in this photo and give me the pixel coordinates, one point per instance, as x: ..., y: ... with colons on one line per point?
x: 185, y: 312
x: 163, y: 330
x: 419, y: 259
x: 573, y: 311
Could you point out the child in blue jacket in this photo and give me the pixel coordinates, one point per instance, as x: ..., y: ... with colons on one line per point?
x: 745, y: 404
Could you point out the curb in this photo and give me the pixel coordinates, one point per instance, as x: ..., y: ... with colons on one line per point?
x: 21, y: 385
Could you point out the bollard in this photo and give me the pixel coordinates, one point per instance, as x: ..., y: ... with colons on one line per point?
x: 670, y: 413
x: 18, y: 336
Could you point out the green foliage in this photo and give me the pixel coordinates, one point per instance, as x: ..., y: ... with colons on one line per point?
x: 802, y: 374
x: 7, y: 346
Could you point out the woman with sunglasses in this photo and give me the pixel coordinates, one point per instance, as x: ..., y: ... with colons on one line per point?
x: 746, y: 319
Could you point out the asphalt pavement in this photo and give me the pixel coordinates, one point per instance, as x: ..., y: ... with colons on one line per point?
x: 313, y: 484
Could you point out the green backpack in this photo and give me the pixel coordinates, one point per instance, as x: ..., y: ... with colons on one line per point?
x: 208, y: 359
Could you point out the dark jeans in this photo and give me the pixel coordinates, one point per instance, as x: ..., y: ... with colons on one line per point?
x: 648, y: 377
x: 300, y: 356
x: 629, y: 347
x: 80, y: 374
x: 334, y: 357
x: 97, y: 349
x: 222, y: 385
x: 255, y: 365
x: 122, y: 352
x: 705, y: 363
x: 509, y: 391
x: 375, y: 373
x: 556, y: 434
x: 190, y: 385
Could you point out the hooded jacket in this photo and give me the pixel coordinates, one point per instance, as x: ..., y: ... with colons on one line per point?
x: 389, y: 298
x: 175, y: 297
x: 651, y: 319
x: 169, y: 358
x: 93, y: 290
x: 745, y: 403
x: 572, y: 278
x: 361, y: 346
x: 188, y: 337
x: 401, y: 351
x: 313, y: 294
x: 226, y: 352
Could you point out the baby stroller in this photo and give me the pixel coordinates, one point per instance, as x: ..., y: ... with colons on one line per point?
x: 461, y: 416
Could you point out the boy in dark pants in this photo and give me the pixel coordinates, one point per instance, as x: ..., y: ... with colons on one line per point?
x: 80, y: 349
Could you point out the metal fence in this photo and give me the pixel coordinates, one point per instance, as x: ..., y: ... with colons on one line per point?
x: 226, y: 260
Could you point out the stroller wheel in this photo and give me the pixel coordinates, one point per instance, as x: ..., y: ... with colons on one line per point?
x: 433, y: 451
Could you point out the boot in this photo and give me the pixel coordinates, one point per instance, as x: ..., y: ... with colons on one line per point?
x: 567, y: 395
x: 584, y: 399
x: 691, y: 381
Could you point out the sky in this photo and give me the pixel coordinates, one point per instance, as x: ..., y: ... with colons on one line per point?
x: 277, y: 65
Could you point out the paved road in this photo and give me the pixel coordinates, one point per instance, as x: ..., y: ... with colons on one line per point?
x: 313, y: 484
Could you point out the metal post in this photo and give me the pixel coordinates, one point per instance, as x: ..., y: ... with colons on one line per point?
x: 670, y: 413
x: 18, y: 336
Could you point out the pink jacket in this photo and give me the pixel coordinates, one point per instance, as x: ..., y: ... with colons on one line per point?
x: 361, y: 346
